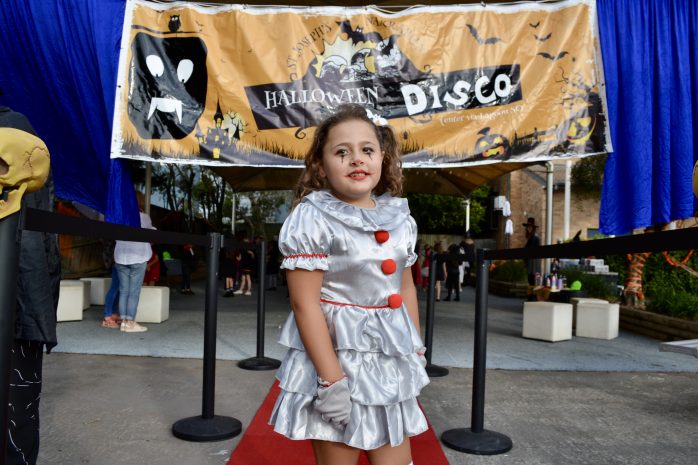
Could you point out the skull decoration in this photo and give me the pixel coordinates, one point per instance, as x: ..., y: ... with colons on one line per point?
x: 24, y: 167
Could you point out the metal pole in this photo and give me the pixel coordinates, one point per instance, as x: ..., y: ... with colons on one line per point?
x: 467, y: 216
x: 434, y: 371
x: 260, y: 362
x: 548, y: 210
x: 209, y: 427
x: 210, y: 321
x: 476, y: 439
x: 566, y: 210
x: 9, y: 264
x: 232, y: 216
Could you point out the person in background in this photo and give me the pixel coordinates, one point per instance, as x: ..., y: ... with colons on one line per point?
x: 229, y: 271
x: 468, y: 246
x: 452, y: 262
x: 188, y: 266
x: 425, y: 266
x: 152, y: 271
x: 441, y: 272
x: 246, y: 269
x: 131, y: 259
x: 38, y: 284
x: 110, y: 317
x: 532, y: 240
x: 272, y: 264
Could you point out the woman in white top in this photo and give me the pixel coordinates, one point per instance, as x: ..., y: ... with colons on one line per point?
x: 130, y: 260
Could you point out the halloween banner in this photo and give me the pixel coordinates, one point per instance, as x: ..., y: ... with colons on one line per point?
x: 459, y: 85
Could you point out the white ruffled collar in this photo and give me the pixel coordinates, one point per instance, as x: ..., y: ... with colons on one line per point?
x: 388, y: 213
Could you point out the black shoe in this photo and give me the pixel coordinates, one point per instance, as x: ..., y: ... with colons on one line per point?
x: 447, y: 299
x: 457, y: 299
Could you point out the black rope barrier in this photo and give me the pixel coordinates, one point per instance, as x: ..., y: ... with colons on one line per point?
x: 434, y: 371
x: 477, y: 440
x: 207, y: 426
x: 260, y: 362
x: 680, y: 239
x: 51, y: 222
x: 9, y: 264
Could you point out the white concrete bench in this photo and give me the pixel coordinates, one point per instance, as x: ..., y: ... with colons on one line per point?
x: 98, y: 289
x: 598, y: 320
x: 689, y: 347
x: 71, y: 300
x: 154, y: 304
x: 547, y: 321
x: 576, y: 300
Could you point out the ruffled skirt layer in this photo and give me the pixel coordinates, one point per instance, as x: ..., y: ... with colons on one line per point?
x: 376, y: 349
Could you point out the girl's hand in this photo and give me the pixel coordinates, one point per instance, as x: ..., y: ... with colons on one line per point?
x: 333, y: 401
x: 422, y: 359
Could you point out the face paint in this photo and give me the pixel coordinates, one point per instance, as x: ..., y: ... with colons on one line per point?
x: 167, y: 85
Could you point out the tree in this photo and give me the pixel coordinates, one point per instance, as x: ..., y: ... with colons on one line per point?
x: 587, y: 176
x: 446, y: 213
x: 261, y: 209
x: 210, y: 193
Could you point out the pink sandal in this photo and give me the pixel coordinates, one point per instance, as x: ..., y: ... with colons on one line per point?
x: 109, y: 322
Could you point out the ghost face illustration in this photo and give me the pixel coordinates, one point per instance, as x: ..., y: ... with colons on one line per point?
x: 167, y: 85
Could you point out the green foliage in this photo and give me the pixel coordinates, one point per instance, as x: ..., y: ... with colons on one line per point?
x: 587, y: 176
x: 446, y: 214
x: 594, y: 285
x: 260, y: 209
x: 674, y: 302
x: 669, y: 290
x: 511, y: 271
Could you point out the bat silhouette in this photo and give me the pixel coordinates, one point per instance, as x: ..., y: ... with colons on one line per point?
x: 357, y: 35
x: 480, y: 40
x: 553, y: 57
x: 534, y: 25
x: 543, y: 39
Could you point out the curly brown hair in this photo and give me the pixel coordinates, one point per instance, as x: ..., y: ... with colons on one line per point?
x: 391, y: 169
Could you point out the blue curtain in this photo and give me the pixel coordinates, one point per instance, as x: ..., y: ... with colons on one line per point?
x: 59, y: 64
x: 650, y: 56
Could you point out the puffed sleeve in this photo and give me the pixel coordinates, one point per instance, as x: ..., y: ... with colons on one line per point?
x: 305, y: 238
x: 411, y: 241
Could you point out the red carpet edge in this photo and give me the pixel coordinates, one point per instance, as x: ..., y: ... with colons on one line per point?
x: 260, y: 445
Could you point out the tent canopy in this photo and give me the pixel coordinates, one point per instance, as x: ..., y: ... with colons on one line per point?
x: 459, y: 181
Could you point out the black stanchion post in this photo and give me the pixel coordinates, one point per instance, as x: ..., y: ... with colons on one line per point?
x: 260, y: 362
x: 476, y: 439
x: 434, y: 371
x: 9, y: 264
x: 209, y: 427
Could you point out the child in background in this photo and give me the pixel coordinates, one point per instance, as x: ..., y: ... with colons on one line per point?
x: 355, y: 363
x: 152, y: 271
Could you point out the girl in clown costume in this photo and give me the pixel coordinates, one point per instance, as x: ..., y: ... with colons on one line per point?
x: 355, y: 363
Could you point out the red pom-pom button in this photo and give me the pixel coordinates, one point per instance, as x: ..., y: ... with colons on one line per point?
x: 388, y: 266
x: 395, y: 301
x: 382, y: 236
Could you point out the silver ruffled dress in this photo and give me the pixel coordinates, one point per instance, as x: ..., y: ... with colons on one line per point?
x: 363, y: 253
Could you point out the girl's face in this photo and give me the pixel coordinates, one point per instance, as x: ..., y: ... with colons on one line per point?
x: 352, y: 161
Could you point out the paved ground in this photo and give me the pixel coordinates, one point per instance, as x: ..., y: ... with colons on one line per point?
x: 577, y: 402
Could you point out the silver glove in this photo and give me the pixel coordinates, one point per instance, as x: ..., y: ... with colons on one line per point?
x: 334, y: 402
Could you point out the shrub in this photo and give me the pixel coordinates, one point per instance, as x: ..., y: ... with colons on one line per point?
x: 512, y: 271
x: 672, y: 302
x: 594, y: 285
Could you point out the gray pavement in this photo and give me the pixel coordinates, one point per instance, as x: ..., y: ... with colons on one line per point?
x: 575, y: 402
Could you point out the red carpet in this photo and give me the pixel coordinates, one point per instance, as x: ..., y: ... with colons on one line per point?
x: 260, y: 445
